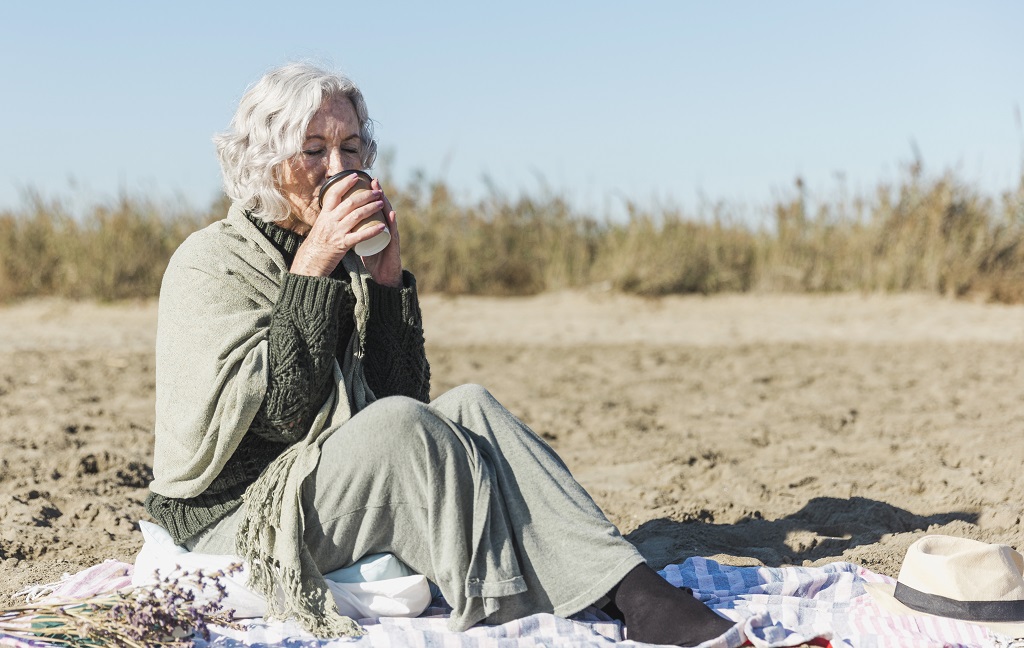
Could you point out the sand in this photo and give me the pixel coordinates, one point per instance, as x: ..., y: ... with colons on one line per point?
x: 775, y: 430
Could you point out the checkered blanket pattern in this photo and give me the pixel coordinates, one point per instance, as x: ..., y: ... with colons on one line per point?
x: 793, y: 605
x: 774, y: 607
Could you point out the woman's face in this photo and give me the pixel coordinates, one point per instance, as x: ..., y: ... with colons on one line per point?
x: 332, y: 145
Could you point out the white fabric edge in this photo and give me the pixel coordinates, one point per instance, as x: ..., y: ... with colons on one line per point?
x: 400, y: 596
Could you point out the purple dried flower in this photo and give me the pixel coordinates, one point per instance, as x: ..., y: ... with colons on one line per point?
x: 164, y: 614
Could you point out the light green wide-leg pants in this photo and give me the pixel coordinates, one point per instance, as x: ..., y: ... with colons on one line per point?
x: 465, y: 494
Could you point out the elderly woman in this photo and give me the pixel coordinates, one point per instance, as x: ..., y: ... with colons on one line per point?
x: 293, y: 425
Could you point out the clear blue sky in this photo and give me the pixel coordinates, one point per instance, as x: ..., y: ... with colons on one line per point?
x: 656, y: 101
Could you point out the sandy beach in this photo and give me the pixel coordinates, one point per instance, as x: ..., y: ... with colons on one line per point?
x: 765, y: 429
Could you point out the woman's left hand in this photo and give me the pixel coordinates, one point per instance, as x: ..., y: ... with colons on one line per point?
x: 386, y: 266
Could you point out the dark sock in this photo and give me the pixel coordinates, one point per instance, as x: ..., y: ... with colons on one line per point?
x: 655, y: 612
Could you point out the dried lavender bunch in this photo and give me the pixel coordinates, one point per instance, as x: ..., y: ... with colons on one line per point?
x: 169, y: 612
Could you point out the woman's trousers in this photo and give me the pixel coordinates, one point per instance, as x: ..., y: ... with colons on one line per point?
x: 464, y: 493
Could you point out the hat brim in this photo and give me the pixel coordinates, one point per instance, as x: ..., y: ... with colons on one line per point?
x: 883, y: 594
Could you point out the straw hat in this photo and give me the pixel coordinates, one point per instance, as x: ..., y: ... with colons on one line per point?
x: 957, y: 578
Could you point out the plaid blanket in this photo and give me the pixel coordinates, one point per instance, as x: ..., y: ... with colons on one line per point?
x: 795, y: 605
x: 773, y: 607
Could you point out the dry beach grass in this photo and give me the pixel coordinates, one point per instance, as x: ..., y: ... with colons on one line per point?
x: 932, y: 233
x: 774, y: 429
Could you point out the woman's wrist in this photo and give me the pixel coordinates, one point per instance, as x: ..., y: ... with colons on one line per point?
x: 311, y: 264
x: 386, y: 271
x: 396, y: 282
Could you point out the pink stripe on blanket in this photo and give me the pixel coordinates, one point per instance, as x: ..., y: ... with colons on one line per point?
x: 107, y: 576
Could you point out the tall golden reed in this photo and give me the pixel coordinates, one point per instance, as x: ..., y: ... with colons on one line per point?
x: 937, y: 234
x: 118, y: 250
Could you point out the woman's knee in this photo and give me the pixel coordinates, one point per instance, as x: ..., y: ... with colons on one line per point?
x: 396, y: 425
x: 392, y: 415
x: 463, y: 396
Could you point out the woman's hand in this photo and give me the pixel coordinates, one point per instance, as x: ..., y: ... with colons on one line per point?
x: 333, y: 233
x: 386, y: 266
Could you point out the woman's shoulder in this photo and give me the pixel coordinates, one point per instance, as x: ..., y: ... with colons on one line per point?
x: 215, y: 236
x: 200, y: 243
x: 231, y: 239
x: 227, y: 255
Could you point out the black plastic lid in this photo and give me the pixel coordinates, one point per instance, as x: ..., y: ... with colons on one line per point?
x: 338, y: 177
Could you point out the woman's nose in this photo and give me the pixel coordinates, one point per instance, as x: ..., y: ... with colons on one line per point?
x: 336, y: 164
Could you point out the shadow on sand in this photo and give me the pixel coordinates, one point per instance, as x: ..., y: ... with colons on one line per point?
x: 824, y: 528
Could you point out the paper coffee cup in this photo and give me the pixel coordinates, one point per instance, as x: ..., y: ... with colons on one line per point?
x: 371, y: 246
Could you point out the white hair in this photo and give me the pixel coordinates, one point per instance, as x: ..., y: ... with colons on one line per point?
x: 269, y: 128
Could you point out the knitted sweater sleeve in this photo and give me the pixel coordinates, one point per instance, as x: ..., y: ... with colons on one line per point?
x: 396, y: 359
x: 303, y: 337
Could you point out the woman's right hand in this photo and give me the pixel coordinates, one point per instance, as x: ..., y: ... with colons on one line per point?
x: 333, y: 234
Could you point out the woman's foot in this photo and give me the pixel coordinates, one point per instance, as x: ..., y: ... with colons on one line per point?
x: 655, y: 612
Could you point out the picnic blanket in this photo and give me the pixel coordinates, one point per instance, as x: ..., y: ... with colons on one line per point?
x: 825, y: 606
